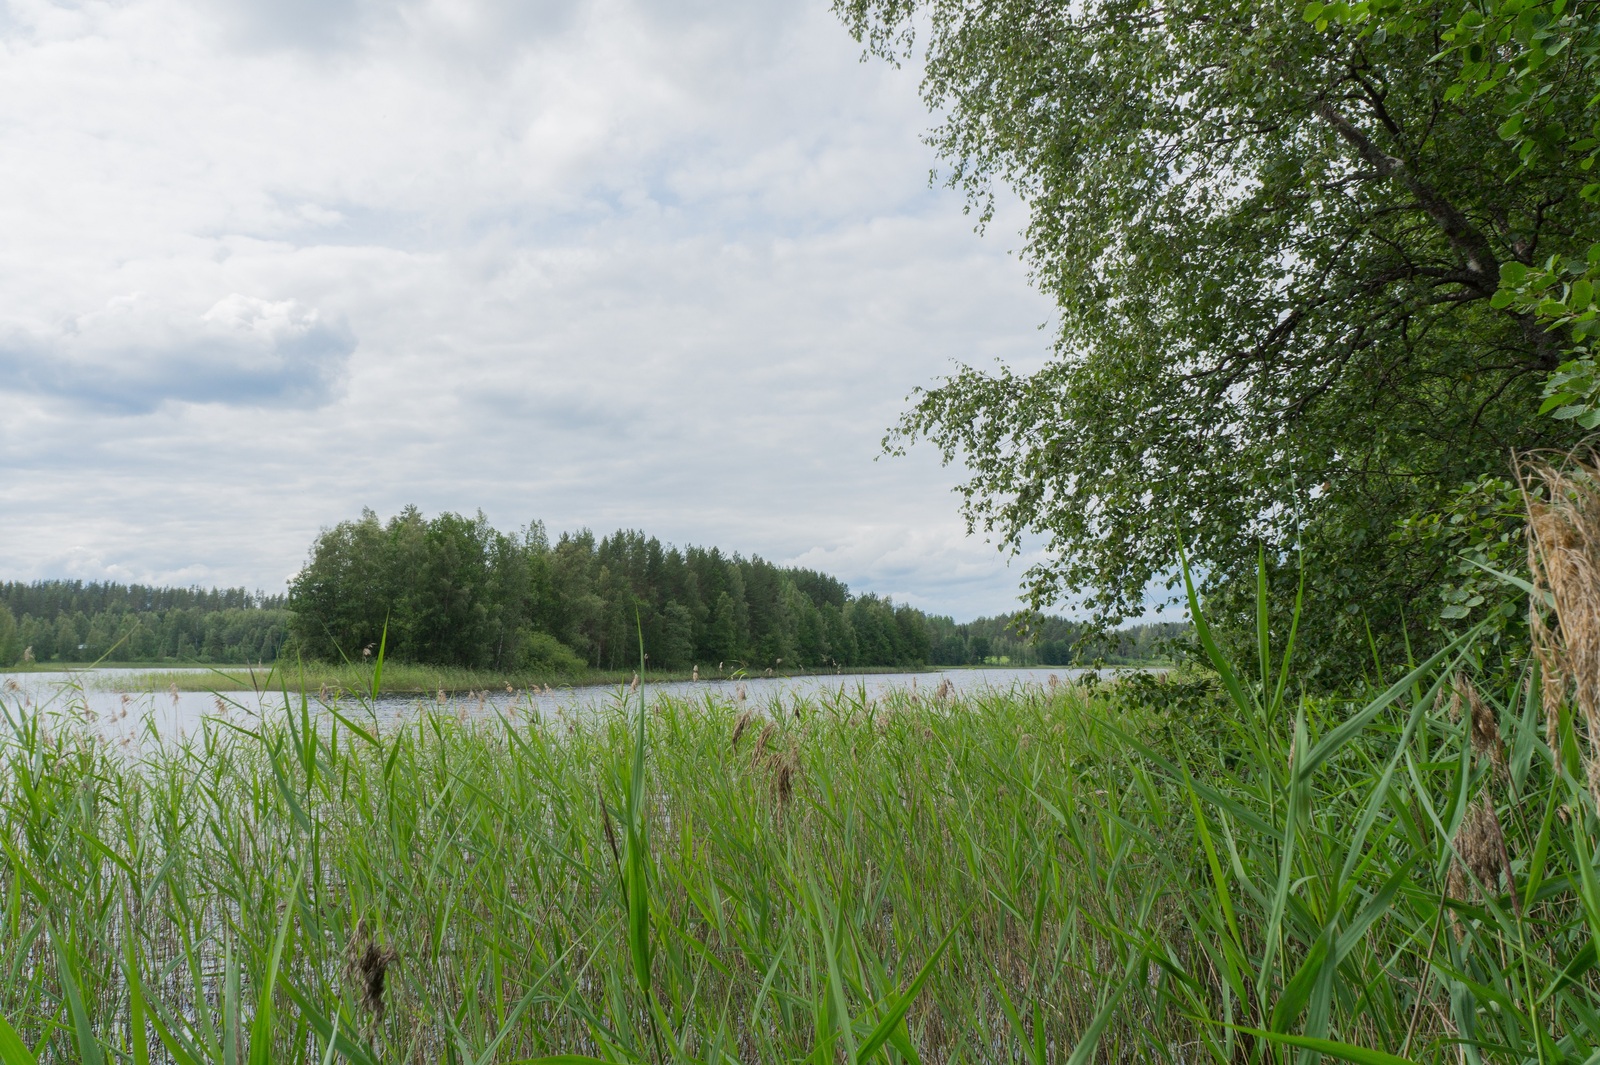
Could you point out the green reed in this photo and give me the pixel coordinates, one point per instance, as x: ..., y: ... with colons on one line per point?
x: 347, y: 678
x: 1040, y: 875
x: 796, y: 883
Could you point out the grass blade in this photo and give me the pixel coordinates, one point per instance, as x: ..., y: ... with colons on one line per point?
x: 13, y: 1051
x: 902, y: 1002
x: 89, y: 1050
x: 1331, y: 1047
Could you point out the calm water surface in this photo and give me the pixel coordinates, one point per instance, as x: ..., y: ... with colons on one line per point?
x: 93, y: 695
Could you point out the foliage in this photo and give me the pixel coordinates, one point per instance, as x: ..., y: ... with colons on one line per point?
x: 73, y: 621
x: 1482, y: 529
x: 1538, y: 61
x: 453, y: 591
x: 1275, y: 249
x: 1024, y: 639
x: 460, y: 595
x: 10, y: 645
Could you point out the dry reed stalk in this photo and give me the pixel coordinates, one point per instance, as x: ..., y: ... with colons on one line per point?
x: 1564, y: 561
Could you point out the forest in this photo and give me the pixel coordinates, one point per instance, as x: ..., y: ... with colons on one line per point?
x: 75, y: 621
x: 453, y: 591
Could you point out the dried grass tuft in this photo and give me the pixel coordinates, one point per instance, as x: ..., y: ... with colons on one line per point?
x: 1563, y: 504
x: 785, y: 768
x: 368, y: 964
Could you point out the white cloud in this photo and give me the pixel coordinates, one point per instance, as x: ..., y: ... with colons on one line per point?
x: 668, y: 266
x: 132, y: 354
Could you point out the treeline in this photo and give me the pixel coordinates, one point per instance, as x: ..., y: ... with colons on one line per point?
x: 454, y: 591
x: 75, y: 621
x: 1026, y: 640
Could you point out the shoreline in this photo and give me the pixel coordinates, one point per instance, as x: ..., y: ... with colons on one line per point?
x: 409, y: 679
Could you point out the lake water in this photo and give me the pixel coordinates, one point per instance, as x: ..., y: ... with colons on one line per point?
x: 94, y: 696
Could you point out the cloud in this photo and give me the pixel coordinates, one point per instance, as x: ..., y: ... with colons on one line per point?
x: 132, y: 355
x: 608, y: 263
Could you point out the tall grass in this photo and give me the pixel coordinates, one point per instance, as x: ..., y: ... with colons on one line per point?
x: 797, y: 881
x: 1045, y: 875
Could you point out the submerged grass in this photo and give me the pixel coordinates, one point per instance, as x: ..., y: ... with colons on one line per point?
x: 1046, y: 875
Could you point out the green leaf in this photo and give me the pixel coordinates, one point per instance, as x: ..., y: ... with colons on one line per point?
x: 261, y: 1026
x: 324, y: 1027
x: 1343, y: 1051
x: 1298, y: 990
x: 902, y: 1002
x: 89, y: 1050
x: 1083, y: 1053
x: 136, y: 1012
x: 1244, y: 703
x: 1346, y: 730
x: 377, y: 666
x: 13, y: 1051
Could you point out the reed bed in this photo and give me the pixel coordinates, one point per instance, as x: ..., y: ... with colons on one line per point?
x: 349, y: 679
x: 453, y: 884
x: 1157, y: 871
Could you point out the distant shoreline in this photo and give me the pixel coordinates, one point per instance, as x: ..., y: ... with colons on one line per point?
x: 405, y: 678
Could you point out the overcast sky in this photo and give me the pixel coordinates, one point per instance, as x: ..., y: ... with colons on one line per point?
x: 661, y: 265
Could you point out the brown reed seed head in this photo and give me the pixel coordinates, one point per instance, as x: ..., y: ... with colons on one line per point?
x: 767, y: 732
x: 1564, y: 561
x: 1480, y: 847
x: 785, y: 768
x: 742, y: 723
x: 1486, y: 740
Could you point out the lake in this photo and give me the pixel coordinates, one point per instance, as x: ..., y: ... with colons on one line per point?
x: 100, y: 697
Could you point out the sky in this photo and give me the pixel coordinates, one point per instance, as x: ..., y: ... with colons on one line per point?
x: 672, y: 265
